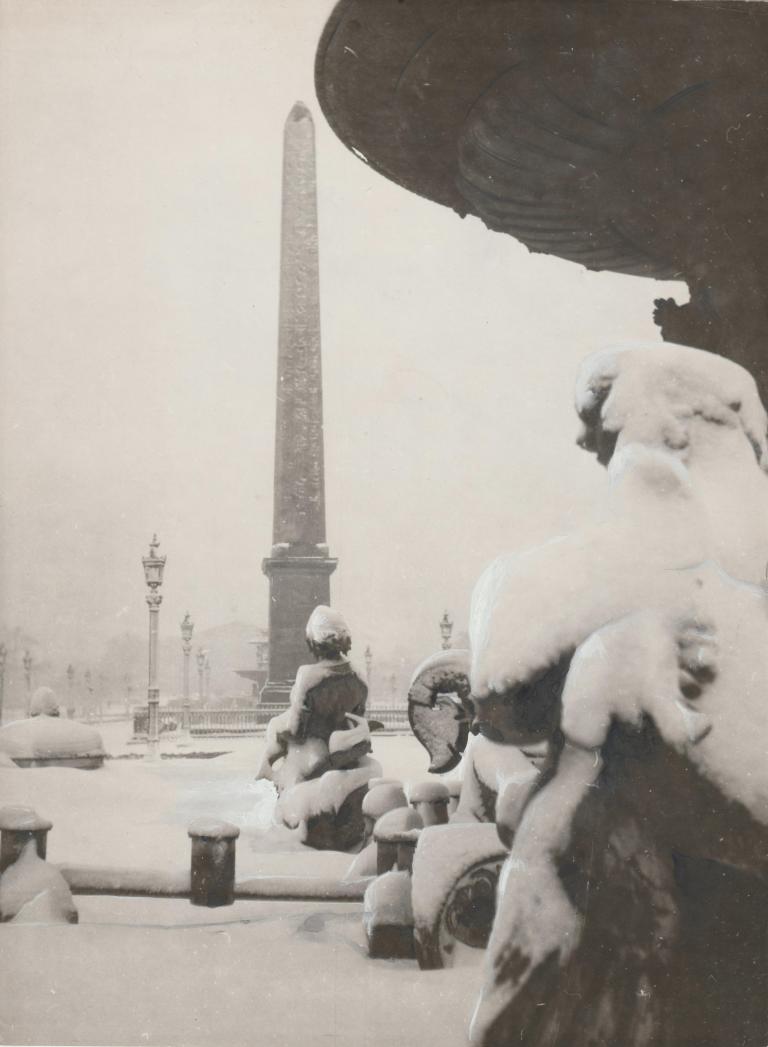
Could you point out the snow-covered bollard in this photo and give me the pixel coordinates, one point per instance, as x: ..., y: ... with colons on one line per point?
x: 430, y: 801
x: 213, y: 862
x: 19, y: 825
x: 396, y: 834
x: 388, y: 917
x: 454, y: 793
x: 32, y: 891
x: 378, y: 801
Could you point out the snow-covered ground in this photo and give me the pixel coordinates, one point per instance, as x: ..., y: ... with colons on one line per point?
x: 146, y: 971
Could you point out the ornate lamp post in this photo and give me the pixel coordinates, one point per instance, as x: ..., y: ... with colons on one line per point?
x: 368, y: 663
x: 207, y: 680
x: 89, y: 696
x: 26, y: 661
x: 200, y: 659
x: 70, y: 692
x: 446, y: 628
x: 154, y: 566
x: 3, y: 653
x: 187, y: 628
x: 128, y: 691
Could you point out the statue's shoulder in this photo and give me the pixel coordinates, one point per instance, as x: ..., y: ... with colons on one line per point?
x: 310, y: 675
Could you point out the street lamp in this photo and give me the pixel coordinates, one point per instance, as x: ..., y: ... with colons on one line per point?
x: 70, y: 686
x: 187, y: 628
x: 26, y: 661
x: 368, y: 663
x: 200, y: 659
x: 3, y: 653
x: 446, y: 628
x: 207, y: 680
x: 154, y: 566
x: 89, y: 688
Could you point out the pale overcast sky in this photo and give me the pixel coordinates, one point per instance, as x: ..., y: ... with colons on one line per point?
x: 139, y: 223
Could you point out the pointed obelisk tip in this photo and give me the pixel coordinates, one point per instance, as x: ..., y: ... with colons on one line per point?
x: 299, y: 112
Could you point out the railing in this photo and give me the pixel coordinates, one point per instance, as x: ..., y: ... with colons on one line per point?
x: 233, y: 722
x: 170, y: 720
x: 393, y: 717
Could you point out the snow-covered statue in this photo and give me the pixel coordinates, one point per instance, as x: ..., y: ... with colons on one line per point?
x: 630, y: 660
x: 46, y: 739
x: 316, y: 751
x: 44, y: 703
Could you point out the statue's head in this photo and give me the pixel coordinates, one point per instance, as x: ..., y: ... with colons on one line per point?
x: 669, y: 397
x: 44, y: 703
x: 327, y: 634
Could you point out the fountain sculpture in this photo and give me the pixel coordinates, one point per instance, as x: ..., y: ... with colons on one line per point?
x: 317, y: 750
x: 629, y: 661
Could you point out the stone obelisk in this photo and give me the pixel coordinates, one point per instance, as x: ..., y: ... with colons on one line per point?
x: 298, y: 568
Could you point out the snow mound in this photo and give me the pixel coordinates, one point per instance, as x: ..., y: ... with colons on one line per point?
x: 382, y: 798
x: 47, y: 737
x: 388, y: 901
x: 400, y: 820
x: 32, y: 891
x: 213, y: 829
x: 428, y: 792
x: 21, y: 818
x: 364, y: 864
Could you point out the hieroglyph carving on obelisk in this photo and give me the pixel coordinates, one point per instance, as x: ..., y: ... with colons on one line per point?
x: 298, y: 568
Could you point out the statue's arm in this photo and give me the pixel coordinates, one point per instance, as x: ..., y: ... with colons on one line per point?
x: 297, y: 710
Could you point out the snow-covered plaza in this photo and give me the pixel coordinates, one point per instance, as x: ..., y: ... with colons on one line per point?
x: 354, y: 691
x: 155, y: 971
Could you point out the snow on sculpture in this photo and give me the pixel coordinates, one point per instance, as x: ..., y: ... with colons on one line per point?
x: 648, y: 844
x: 317, y: 750
x: 682, y: 434
x: 630, y: 658
x: 46, y: 739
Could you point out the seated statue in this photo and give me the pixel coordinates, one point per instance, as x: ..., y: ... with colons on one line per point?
x: 316, y: 752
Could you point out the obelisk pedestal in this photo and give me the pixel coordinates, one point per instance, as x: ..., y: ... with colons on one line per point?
x: 299, y: 567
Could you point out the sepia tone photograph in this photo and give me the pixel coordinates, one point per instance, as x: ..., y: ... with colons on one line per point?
x: 384, y: 524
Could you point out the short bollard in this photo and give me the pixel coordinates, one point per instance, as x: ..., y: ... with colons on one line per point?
x: 378, y: 801
x: 19, y: 825
x: 213, y: 862
x: 430, y: 801
x: 388, y: 832
x: 406, y: 848
x: 453, y: 785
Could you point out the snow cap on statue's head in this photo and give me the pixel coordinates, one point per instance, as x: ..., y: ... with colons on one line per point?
x: 657, y: 396
x: 44, y: 703
x: 326, y: 626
